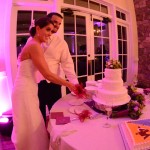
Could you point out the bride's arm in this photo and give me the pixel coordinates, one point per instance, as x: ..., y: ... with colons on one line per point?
x: 36, y: 54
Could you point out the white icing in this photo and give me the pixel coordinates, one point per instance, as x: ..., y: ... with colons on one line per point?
x: 112, y: 89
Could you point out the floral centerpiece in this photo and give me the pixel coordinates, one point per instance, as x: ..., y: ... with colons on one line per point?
x: 113, y: 64
x: 134, y: 108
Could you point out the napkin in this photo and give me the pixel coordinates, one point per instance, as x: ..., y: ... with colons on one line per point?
x: 54, y: 115
x: 62, y: 120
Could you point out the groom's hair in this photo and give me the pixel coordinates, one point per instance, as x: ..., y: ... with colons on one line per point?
x: 54, y: 13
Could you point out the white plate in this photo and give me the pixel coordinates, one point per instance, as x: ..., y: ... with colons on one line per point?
x: 76, y: 109
x: 76, y: 102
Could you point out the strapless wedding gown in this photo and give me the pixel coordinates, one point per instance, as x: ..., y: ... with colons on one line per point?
x: 29, y: 131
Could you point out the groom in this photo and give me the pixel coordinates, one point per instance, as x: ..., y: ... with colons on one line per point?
x: 57, y: 55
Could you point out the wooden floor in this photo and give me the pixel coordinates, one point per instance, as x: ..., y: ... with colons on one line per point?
x: 5, y: 143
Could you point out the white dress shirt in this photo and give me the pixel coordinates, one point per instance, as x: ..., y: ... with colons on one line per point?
x: 58, y: 57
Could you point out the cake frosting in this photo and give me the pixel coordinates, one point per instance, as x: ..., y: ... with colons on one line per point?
x: 137, y: 134
x: 112, y: 91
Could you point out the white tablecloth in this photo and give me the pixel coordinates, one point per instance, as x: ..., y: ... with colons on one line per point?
x: 89, y: 135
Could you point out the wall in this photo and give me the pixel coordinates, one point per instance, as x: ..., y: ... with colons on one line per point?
x: 142, y: 8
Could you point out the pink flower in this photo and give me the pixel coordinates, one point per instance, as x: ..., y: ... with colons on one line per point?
x: 136, y: 108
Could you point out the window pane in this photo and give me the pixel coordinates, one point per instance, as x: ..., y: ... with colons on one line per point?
x: 69, y: 26
x: 124, y: 75
x: 120, y: 46
x: 98, y: 77
x: 98, y: 64
x: 105, y: 29
x: 105, y: 46
x: 69, y: 1
x: 81, y: 45
x: 119, y: 32
x: 82, y: 66
x: 97, y: 27
x: 70, y: 39
x: 94, y: 6
x: 98, y: 45
x: 81, y: 25
x: 82, y: 80
x: 83, y: 3
x: 124, y: 33
x: 123, y: 16
x: 118, y: 14
x: 21, y: 41
x: 104, y: 9
x: 23, y: 21
x: 124, y: 47
x: 124, y: 61
x: 39, y: 14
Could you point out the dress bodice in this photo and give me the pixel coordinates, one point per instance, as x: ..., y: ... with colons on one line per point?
x: 26, y: 73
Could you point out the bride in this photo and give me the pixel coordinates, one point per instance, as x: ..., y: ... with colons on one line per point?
x: 29, y: 131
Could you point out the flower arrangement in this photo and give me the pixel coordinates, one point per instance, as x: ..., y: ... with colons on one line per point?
x: 113, y: 64
x: 135, y: 105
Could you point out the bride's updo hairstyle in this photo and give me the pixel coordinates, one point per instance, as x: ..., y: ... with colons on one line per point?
x: 42, y: 22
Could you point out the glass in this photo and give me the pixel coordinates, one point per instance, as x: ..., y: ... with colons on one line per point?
x: 94, y: 6
x: 82, y: 3
x: 108, y: 110
x: 105, y: 29
x: 118, y: 14
x: 123, y: 16
x: 69, y: 25
x: 124, y: 47
x: 124, y: 61
x: 105, y: 46
x: 69, y: 1
x: 120, y: 46
x: 119, y: 32
x: 82, y: 66
x: 23, y: 21
x: 124, y: 33
x: 80, y: 25
x: 21, y: 41
x: 124, y: 75
x: 98, y: 45
x: 97, y: 27
x: 104, y: 9
x: 98, y: 64
x: 81, y: 45
x: 39, y: 14
x: 98, y: 77
x: 70, y: 39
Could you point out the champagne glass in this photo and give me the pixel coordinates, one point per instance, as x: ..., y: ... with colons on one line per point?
x: 108, y: 109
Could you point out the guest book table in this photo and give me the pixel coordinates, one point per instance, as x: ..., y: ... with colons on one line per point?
x: 87, y: 135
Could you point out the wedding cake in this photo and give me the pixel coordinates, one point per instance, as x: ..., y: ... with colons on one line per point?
x: 136, y: 134
x: 112, y: 91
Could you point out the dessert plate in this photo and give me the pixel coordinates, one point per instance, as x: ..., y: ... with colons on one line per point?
x: 76, y: 102
x: 76, y: 109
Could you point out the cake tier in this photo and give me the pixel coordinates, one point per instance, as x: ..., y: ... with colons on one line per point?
x: 137, y: 134
x: 112, y: 85
x: 113, y: 74
x: 112, y: 98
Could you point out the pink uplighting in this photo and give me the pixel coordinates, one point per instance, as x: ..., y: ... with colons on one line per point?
x: 5, y: 100
x: 4, y: 120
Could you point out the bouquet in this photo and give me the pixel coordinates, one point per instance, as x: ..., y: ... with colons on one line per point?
x: 113, y: 64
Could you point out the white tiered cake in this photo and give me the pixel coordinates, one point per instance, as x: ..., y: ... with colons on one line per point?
x: 112, y: 91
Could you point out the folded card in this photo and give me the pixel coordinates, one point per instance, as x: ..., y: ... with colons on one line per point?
x: 62, y: 120
x: 54, y: 115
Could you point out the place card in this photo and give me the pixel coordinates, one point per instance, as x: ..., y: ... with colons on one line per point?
x: 62, y: 120
x: 54, y: 115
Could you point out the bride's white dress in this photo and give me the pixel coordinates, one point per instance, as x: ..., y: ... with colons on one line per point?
x: 29, y: 131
